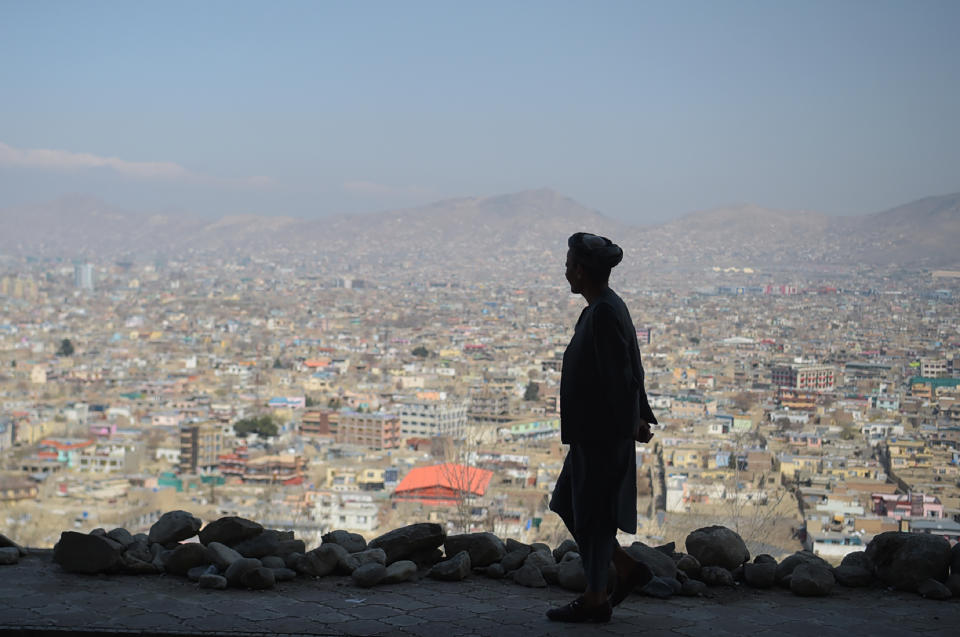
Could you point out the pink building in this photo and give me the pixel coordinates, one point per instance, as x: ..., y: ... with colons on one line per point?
x: 913, y: 505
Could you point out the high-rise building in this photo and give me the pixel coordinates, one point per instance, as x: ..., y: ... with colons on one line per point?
x: 816, y: 378
x: 425, y: 418
x: 83, y: 276
x: 372, y: 430
x: 200, y: 446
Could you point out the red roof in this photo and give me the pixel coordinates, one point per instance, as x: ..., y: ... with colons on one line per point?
x: 65, y: 445
x: 452, y: 476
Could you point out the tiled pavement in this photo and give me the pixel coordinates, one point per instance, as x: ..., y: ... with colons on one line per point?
x: 37, y: 597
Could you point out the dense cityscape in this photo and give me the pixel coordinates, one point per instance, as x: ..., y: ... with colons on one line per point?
x: 804, y: 410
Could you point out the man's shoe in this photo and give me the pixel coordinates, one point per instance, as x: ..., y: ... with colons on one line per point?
x: 638, y: 575
x: 576, y: 611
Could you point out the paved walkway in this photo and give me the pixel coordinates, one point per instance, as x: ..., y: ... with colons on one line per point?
x: 37, y: 597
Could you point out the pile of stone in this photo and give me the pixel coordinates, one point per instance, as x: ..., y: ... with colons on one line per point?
x: 235, y: 552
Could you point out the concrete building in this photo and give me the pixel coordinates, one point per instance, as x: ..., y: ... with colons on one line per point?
x: 200, y: 446
x: 372, y: 430
x: 816, y: 378
x: 428, y: 418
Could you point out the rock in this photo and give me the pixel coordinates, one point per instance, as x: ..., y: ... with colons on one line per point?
x: 9, y: 555
x: 291, y: 560
x: 658, y: 587
x: 284, y: 574
x: 668, y: 549
x: 286, y: 547
x: 693, y: 588
x: 953, y: 583
x: 353, y: 542
x: 133, y: 565
x: 681, y: 576
x: 173, y: 527
x: 139, y: 550
x: 371, y: 556
x: 262, y: 545
x: 513, y: 560
x: 322, y: 560
x: 142, y: 537
x: 529, y: 575
x: 209, y: 580
x: 570, y: 555
x: 221, y: 555
x: 539, y: 559
x: 400, y: 572
x: 737, y: 573
x: 857, y: 558
x: 272, y: 561
x: 484, y: 548
x: 852, y: 576
x: 513, y: 545
x: 571, y: 576
x: 764, y: 558
x: 689, y: 565
x: 99, y: 532
x: 954, y: 558
x: 661, y: 564
x: 185, y: 557
x: 406, y: 541
x: 236, y: 571
x: 932, y: 589
x: 791, y: 562
x: 194, y: 573
x: 904, y: 560
x: 121, y: 536
x: 551, y: 573
x: 541, y: 547
x: 760, y: 575
x: 426, y: 558
x: 452, y: 570
x: 716, y: 576
x: 6, y: 542
x: 717, y: 546
x: 565, y: 546
x: 81, y: 553
x: 230, y: 530
x: 811, y: 580
x: 494, y: 571
x: 369, y: 574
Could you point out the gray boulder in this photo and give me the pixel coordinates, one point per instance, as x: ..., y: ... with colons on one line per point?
x: 932, y: 589
x: 494, y: 571
x: 121, y: 536
x: 811, y: 580
x: 565, y: 546
x: 693, y: 588
x: 513, y: 560
x: 230, y: 530
x: 426, y: 558
x: 82, y: 553
x: 786, y: 567
x: 716, y: 576
x: 239, y: 568
x: 658, y: 587
x: 210, y: 580
x: 370, y: 556
x: 139, y: 550
x: 551, y: 573
x: 904, y: 560
x: 539, y: 559
x: 540, y: 546
x: 513, y: 545
x: 762, y: 575
x: 322, y: 560
x: 369, y: 574
x: 272, y: 561
x: 400, y: 544
x: 353, y: 542
x: 194, y: 573
x: 852, y: 576
x: 400, y: 572
x: 570, y: 555
x: 452, y: 570
x: 571, y: 576
x: 717, y: 546
x: 656, y: 560
x: 286, y: 547
x: 185, y: 557
x: 174, y: 526
x: 284, y: 574
x: 764, y: 558
x: 953, y: 583
x: 688, y: 564
x: 6, y: 542
x: 260, y: 578
x: 530, y: 576
x: 221, y: 555
x: 857, y: 558
x: 484, y: 548
x: 954, y: 558
x: 267, y: 542
x: 9, y: 555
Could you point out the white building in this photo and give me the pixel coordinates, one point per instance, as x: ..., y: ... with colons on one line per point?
x: 428, y: 418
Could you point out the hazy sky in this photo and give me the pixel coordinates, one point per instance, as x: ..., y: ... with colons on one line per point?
x: 642, y: 110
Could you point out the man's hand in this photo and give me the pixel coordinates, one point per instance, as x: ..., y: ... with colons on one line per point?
x: 641, y: 431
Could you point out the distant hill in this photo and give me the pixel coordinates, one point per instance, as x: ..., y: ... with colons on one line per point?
x: 524, y: 227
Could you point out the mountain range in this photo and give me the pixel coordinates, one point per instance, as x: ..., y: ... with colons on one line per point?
x: 531, y: 224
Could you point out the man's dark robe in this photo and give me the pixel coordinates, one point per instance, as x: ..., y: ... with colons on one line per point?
x: 601, y: 399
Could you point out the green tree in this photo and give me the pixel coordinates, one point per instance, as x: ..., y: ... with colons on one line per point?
x: 261, y: 425
x: 310, y: 401
x: 66, y: 348
x: 532, y: 392
x: 420, y: 351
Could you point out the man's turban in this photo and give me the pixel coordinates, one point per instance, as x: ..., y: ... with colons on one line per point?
x: 594, y: 251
